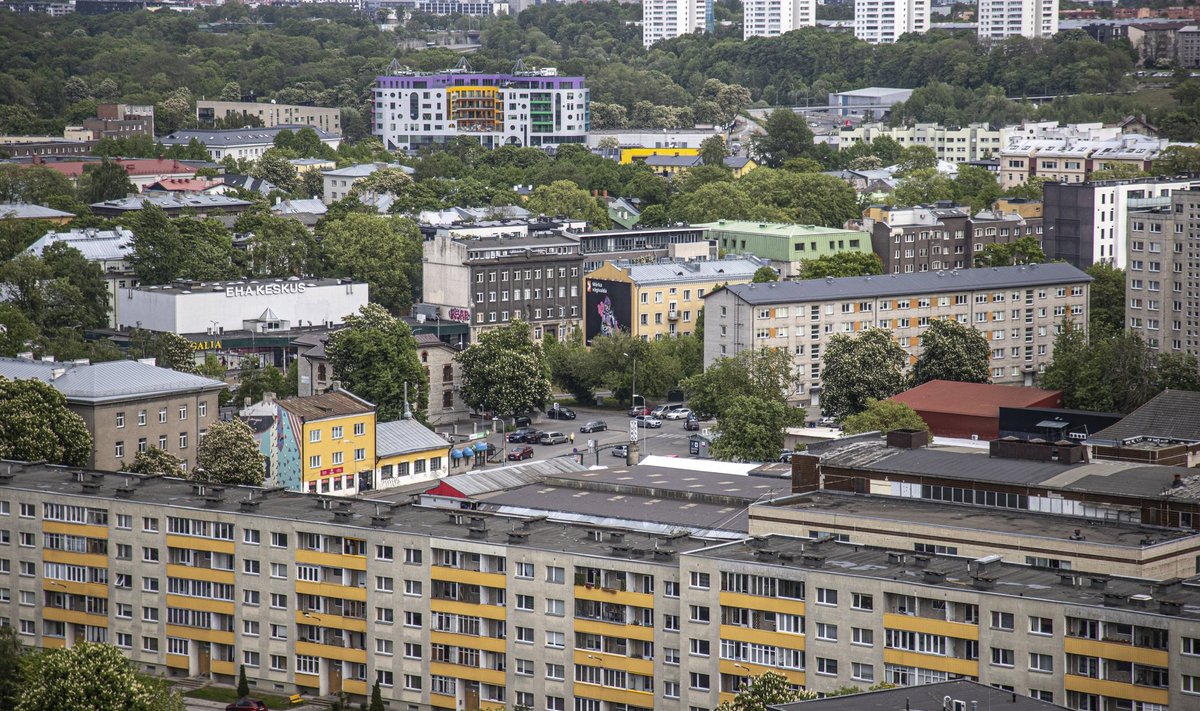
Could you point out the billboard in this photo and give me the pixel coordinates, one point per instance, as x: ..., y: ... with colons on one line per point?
x: 607, y: 308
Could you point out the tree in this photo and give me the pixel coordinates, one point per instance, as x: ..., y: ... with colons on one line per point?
x: 764, y: 691
x: 376, y: 698
x: 841, y: 264
x: 169, y: 350
x: 764, y: 374
x: 923, y: 186
x: 1106, y: 310
x: 566, y: 199
x: 751, y: 429
x: 228, y: 454
x: 975, y: 186
x: 1025, y: 250
x: 884, y: 416
x: 232, y: 91
x: 383, y: 181
x: 76, y: 89
x: 1118, y: 171
x: 106, y: 181
x: 573, y: 367
x: 278, y: 246
x: 713, y: 150
x: 505, y: 372
x: 385, y: 252
x: 764, y: 274
x: 254, y: 382
x: 11, y: 653
x: 273, y: 166
x: 156, y: 461
x: 243, y: 686
x: 35, y: 425
x: 1178, y: 371
x: 209, y: 249
x: 952, y: 351
x: 17, y: 332
x: 158, y: 248
x: 856, y: 370
x: 1066, y: 365
x: 374, y: 357
x: 90, y: 676
x: 1029, y: 190
x: 915, y: 158
x: 787, y: 136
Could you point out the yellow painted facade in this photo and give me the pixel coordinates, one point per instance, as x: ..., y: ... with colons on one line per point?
x: 397, y: 462
x: 332, y: 449
x: 629, y: 155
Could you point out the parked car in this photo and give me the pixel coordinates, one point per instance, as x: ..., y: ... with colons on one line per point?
x: 681, y: 414
x: 648, y: 421
x: 692, y: 424
x: 533, y: 437
x: 621, y: 450
x: 562, y: 413
x: 785, y: 455
x: 827, y: 422
x: 594, y: 426
x: 246, y: 704
x: 639, y: 410
x: 552, y: 438
x: 522, y: 421
x: 518, y: 435
x: 516, y: 454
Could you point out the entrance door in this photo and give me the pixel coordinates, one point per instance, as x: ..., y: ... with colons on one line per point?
x: 335, y: 676
x: 205, y: 658
x: 472, y: 696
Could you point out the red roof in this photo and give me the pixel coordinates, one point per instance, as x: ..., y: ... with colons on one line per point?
x: 184, y: 184
x: 444, y: 489
x: 975, y: 399
x: 133, y: 166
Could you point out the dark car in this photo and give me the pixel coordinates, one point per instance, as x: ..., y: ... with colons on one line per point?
x: 594, y: 426
x: 516, y: 454
x: 692, y: 423
x: 639, y: 410
x: 246, y: 704
x: 621, y: 450
x: 562, y: 413
x: 533, y: 437
x: 518, y: 435
x: 785, y: 455
x: 522, y: 421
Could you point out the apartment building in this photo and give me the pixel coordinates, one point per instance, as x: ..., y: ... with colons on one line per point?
x: 884, y: 21
x: 107, y: 249
x: 644, y: 244
x: 465, y: 610
x: 784, y: 246
x: 771, y: 18
x: 413, y: 110
x: 128, y: 405
x: 1070, y: 158
x: 667, y: 19
x: 270, y: 115
x: 656, y: 301
x: 1162, y: 285
x: 921, y: 238
x: 337, y: 182
x: 953, y: 144
x: 1088, y: 222
x: 322, y: 444
x: 1019, y: 310
x: 1001, y: 19
x: 241, y: 143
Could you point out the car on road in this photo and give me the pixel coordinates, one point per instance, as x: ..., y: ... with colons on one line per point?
x: 681, y: 414
x: 785, y: 455
x: 621, y: 450
x: 516, y: 454
x: 562, y: 413
x: 639, y: 410
x: 534, y: 437
x: 692, y: 424
x: 518, y: 435
x: 522, y: 421
x: 648, y: 421
x: 246, y: 704
x: 594, y: 426
x: 827, y: 422
x: 552, y: 438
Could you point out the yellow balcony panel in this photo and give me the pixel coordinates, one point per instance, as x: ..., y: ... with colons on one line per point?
x: 337, y: 622
x: 911, y: 623
x: 75, y: 529
x: 470, y: 577
x: 214, y: 636
x: 223, y: 607
x: 1119, y: 652
x: 644, y: 699
x: 748, y: 669
x: 78, y: 617
x: 308, y: 681
x: 951, y: 665
x: 333, y: 560
x: 213, y: 576
x: 756, y: 602
x: 1117, y: 689
x: 226, y: 668
x: 486, y: 644
x: 442, y: 701
x: 614, y: 661
x: 487, y: 676
x: 491, y: 706
x: 491, y: 612
x: 177, y: 661
x: 53, y: 643
x: 726, y: 697
x: 355, y: 686
x: 329, y: 651
x: 611, y: 595
x: 73, y: 588
x: 92, y: 560
x: 611, y: 629
x: 342, y: 592
x: 200, y: 544
x: 775, y: 639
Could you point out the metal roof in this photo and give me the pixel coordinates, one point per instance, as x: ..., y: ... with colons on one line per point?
x: 94, y: 245
x: 338, y: 403
x: 925, y: 697
x: 404, y: 436
x: 231, y: 137
x: 23, y: 211
x: 1171, y: 415
x: 111, y: 381
x: 171, y: 202
x: 700, y: 270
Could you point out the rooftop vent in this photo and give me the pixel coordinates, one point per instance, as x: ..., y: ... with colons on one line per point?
x: 935, y: 577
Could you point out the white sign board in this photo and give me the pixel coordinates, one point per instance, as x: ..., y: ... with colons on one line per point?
x: 633, y: 430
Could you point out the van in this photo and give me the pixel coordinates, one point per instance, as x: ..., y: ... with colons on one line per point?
x: 662, y: 410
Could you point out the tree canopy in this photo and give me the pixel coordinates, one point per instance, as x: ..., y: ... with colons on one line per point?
x: 883, y: 416
x: 90, y: 676
x: 952, y: 351
x: 860, y: 368
x: 374, y: 357
x: 841, y: 264
x: 764, y: 374
x: 35, y: 425
x: 228, y: 454
x: 505, y: 371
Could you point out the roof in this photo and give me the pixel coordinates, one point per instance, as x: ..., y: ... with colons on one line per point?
x: 95, y: 245
x: 185, y: 184
x: 1171, y: 415
x: 404, y: 436
x: 111, y: 381
x: 736, y: 162
x: 776, y: 229
x: 925, y: 697
x: 249, y: 182
x: 902, y: 284
x: 338, y: 403
x: 171, y: 202
x: 24, y: 211
x: 227, y: 137
x: 431, y: 340
x: 672, y: 161
x: 873, y: 91
x: 972, y: 399
x: 261, y: 285
x: 312, y: 206
x: 362, y: 170
x: 702, y: 270
x: 132, y: 166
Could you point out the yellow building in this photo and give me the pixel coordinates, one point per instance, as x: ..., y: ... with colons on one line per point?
x: 654, y: 301
x: 408, y: 452
x: 334, y: 436
x: 629, y: 155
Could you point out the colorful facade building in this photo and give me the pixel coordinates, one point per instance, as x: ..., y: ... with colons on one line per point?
x: 323, y: 444
x: 785, y: 246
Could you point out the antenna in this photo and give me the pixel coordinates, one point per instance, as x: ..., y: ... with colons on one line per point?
x: 407, y: 411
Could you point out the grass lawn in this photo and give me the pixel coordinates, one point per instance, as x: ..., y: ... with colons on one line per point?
x: 229, y: 695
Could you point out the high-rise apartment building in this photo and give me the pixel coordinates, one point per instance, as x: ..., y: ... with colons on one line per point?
x: 883, y: 21
x: 1162, y: 283
x: 666, y: 19
x: 1000, y: 19
x: 771, y: 18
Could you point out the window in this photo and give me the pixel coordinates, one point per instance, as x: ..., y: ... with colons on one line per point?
x: 827, y: 632
x: 1189, y: 684
x: 699, y: 682
x: 119, y: 450
x: 1002, y: 657
x: 250, y: 659
x: 278, y: 601
x: 1191, y: 646
x: 699, y: 581
x: 525, y: 635
x: 413, y: 619
x: 120, y: 420
x: 1002, y: 621
x: 827, y: 666
x: 183, y: 440
x: 250, y: 566
x: 670, y: 655
x: 555, y: 671
x: 1041, y: 625
x: 827, y: 596
x: 862, y: 635
x: 524, y: 570
x: 699, y: 613
x: 525, y: 603
x: 671, y: 690
x: 412, y: 651
x: 382, y: 582
x: 1041, y: 662
x: 555, y: 640
x: 700, y: 647
x: 149, y: 614
x: 162, y: 415
x: 202, y: 408
x: 279, y: 540
x: 412, y: 556
x: 671, y: 623
x: 862, y: 672
x: 250, y: 597
x: 383, y: 552
x: 555, y: 574
x: 279, y: 632
x: 671, y: 588
x: 150, y: 585
x: 861, y: 601
x: 555, y: 608
x: 141, y: 418
x: 412, y: 588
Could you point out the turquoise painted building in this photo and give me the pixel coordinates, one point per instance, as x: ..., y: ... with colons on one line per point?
x: 784, y: 245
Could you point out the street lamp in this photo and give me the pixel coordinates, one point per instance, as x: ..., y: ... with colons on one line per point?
x: 498, y: 426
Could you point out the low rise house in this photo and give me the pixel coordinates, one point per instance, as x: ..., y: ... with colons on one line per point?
x: 108, y: 249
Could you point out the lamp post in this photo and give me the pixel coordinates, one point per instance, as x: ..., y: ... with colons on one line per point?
x: 498, y: 426
x: 632, y: 456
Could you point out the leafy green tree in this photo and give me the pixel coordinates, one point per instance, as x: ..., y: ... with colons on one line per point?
x: 278, y: 246
x: 573, y: 367
x: 59, y: 290
x: 654, y: 216
x: 35, y: 425
x: 385, y: 252
x: 243, y: 686
x: 923, y: 186
x: 1067, y: 363
x: 915, y: 158
x: 156, y: 461
x: 1118, y: 171
x: 382, y: 182
x: 952, y: 351
x: 763, y: 374
x: 752, y: 429
x: 764, y: 274
x: 89, y: 676
x: 884, y: 416
x: 841, y: 264
x: 505, y: 372
x: 1106, y: 310
x: 11, y: 654
x: 787, y: 136
x: 1029, y: 190
x: 232, y: 91
x: 255, y: 381
x: 1025, y: 250
x: 106, y: 181
x: 210, y: 254
x: 169, y: 350
x: 565, y: 198
x: 76, y: 89
x: 374, y: 356
x: 1120, y: 374
x: 764, y: 691
x: 713, y: 150
x: 608, y: 116
x: 228, y: 454
x: 158, y: 248
x: 1178, y: 371
x: 975, y: 186
x: 34, y: 184
x: 858, y: 369
x: 273, y: 166
x: 17, y: 333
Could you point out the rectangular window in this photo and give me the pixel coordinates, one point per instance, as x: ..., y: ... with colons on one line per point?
x: 1041, y: 662
x: 1002, y: 657
x: 861, y: 601
x: 827, y: 596
x: 1002, y: 621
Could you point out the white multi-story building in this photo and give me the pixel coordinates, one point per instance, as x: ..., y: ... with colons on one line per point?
x: 666, y: 19
x: 999, y: 19
x: 524, y: 108
x: 953, y: 144
x: 771, y: 18
x: 883, y: 21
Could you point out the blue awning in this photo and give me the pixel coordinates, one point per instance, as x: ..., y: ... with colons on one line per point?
x: 456, y: 454
x: 480, y: 447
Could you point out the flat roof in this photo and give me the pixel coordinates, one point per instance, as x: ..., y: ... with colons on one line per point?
x: 925, y: 697
x: 971, y: 399
x: 776, y: 229
x: 197, y: 287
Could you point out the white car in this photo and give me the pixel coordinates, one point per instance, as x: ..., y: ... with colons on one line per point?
x: 681, y: 414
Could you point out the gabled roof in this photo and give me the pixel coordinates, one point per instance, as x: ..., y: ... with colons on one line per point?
x: 23, y: 211
x: 95, y: 245
x: 1171, y: 415
x: 404, y: 436
x: 111, y: 381
x: 132, y: 166
x: 973, y: 399
x: 338, y: 403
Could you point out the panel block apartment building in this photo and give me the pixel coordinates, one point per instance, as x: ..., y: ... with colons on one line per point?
x: 1019, y: 310
x: 459, y: 610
